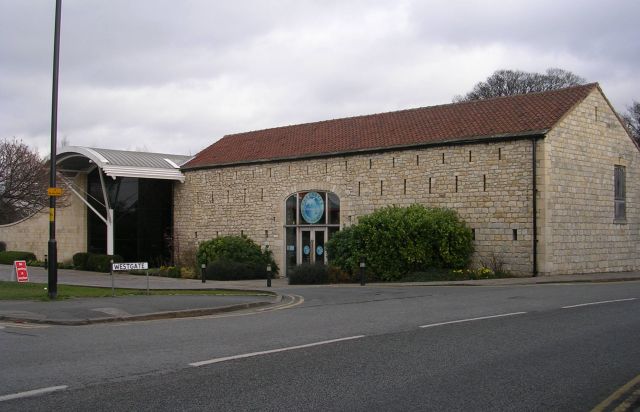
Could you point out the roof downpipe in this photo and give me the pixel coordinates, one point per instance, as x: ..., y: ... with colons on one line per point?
x: 534, y: 202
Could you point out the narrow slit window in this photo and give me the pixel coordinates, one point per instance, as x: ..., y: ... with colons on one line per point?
x: 370, y: 163
x: 442, y: 158
x: 430, y: 184
x: 620, y: 195
x: 499, y: 153
x: 515, y: 234
x: 456, y: 184
x: 484, y: 183
x: 262, y: 194
x: 405, y: 186
x: 473, y: 234
x: 359, y: 188
x: 417, y: 160
x: 393, y: 162
x: 381, y: 187
x: 469, y: 156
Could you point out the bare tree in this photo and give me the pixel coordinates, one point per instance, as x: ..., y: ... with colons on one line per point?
x: 512, y: 82
x: 632, y: 119
x: 23, y: 181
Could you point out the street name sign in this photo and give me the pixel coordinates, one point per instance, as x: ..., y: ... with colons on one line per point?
x: 20, y: 268
x: 130, y: 266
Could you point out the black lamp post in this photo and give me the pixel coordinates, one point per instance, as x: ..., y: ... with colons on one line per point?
x: 52, y: 246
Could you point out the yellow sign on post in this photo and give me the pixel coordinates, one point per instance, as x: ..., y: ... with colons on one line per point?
x: 52, y: 214
x: 54, y: 191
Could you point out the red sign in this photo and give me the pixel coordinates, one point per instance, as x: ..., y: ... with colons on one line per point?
x: 20, y: 266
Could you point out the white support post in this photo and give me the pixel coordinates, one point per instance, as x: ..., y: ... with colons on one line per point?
x: 109, y: 214
x: 110, y: 232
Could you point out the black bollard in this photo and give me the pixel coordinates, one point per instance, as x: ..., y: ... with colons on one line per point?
x: 363, y: 279
x: 203, y: 267
x: 268, y: 276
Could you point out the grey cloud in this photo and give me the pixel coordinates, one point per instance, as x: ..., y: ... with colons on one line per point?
x: 176, y: 75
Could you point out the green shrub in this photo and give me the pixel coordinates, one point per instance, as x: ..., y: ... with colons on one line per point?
x: 80, y: 260
x: 230, y: 270
x: 396, y: 241
x: 238, y: 249
x: 9, y: 256
x: 101, y: 263
x: 337, y: 275
x: 309, y: 274
x: 169, y: 271
x: 3, y: 246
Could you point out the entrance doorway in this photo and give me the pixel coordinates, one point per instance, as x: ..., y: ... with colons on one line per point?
x: 312, y: 245
x: 311, y: 219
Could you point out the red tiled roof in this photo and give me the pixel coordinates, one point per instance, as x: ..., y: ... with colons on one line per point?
x: 522, y: 115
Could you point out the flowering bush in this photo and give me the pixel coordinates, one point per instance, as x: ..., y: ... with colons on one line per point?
x: 473, y: 274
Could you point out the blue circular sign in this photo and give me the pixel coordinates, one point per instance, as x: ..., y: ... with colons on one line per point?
x: 312, y: 207
x: 319, y: 250
x: 306, y: 249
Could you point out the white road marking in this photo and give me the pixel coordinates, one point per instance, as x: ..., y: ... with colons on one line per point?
x: 266, y: 352
x: 472, y: 319
x: 597, y: 303
x: 4, y: 325
x: 34, y: 392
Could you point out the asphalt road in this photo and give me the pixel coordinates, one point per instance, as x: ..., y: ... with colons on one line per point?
x: 344, y: 348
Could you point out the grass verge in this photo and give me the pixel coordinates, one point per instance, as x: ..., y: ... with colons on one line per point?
x: 38, y: 291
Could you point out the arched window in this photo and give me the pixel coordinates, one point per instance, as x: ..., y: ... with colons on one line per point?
x: 312, y: 217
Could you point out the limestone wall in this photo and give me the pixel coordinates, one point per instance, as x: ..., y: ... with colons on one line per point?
x: 489, y: 184
x: 577, y: 205
x: 32, y: 234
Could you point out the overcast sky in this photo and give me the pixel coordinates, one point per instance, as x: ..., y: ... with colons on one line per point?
x: 174, y: 76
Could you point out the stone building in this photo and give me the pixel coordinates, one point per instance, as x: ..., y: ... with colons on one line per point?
x: 563, y: 154
x: 547, y: 181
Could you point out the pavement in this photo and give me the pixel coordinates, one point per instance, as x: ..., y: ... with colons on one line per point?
x: 82, y: 311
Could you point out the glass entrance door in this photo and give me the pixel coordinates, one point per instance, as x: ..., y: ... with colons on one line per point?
x: 312, y: 245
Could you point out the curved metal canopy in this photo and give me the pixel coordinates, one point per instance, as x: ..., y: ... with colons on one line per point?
x: 120, y: 163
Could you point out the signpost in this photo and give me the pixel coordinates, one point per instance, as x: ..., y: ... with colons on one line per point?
x: 20, y: 269
x: 128, y: 266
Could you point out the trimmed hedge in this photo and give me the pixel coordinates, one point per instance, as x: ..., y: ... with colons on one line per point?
x: 228, y: 270
x: 94, y: 262
x: 396, y: 241
x: 309, y: 274
x: 239, y: 253
x: 8, y: 257
x: 80, y: 260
